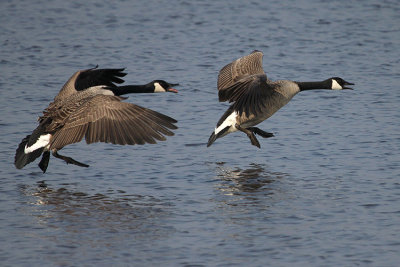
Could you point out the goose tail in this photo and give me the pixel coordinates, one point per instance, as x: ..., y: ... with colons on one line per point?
x: 212, y: 138
x: 22, y: 158
x: 31, y: 147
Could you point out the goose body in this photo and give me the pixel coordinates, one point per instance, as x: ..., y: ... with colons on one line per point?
x: 90, y: 105
x: 255, y: 98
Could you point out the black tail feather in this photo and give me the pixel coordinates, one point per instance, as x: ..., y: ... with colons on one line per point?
x: 211, y: 140
x: 45, y: 161
x: 21, y: 159
x: 214, y: 136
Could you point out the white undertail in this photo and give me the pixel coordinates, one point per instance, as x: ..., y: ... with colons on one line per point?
x: 43, y: 141
x: 229, y: 121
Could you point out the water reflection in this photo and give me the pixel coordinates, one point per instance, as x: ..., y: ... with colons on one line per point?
x: 244, y: 196
x: 95, y: 218
x: 237, y: 181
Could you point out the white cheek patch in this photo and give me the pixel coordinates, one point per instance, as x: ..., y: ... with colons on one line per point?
x: 43, y: 141
x: 229, y: 121
x: 336, y: 85
x: 158, y: 88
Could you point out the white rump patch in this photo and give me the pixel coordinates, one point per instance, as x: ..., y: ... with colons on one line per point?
x: 43, y: 141
x: 99, y: 90
x: 336, y: 85
x: 229, y: 121
x: 158, y: 88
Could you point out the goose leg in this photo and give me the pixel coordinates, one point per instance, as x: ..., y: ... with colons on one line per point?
x: 260, y: 132
x: 69, y: 160
x: 250, y: 134
x: 45, y: 161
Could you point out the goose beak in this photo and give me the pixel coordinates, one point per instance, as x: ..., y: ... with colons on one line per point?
x: 172, y: 89
x: 347, y: 83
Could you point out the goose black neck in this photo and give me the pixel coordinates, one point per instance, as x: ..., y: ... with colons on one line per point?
x: 315, y: 85
x: 133, y: 89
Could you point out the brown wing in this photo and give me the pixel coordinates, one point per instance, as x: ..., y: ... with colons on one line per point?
x: 250, y: 94
x: 237, y: 70
x: 107, y: 119
x: 244, y: 82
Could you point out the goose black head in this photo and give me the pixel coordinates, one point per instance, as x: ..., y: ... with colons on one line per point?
x: 340, y: 84
x: 161, y: 86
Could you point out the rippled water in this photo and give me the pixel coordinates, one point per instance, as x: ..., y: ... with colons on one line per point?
x: 324, y: 191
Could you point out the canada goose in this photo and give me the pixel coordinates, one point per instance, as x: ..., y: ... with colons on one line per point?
x: 89, y: 105
x: 255, y: 97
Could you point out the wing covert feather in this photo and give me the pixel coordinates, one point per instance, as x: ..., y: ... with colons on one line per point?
x: 239, y: 69
x: 245, y: 83
x: 107, y: 119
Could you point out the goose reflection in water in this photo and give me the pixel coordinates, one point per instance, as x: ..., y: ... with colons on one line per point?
x: 255, y: 178
x: 79, y: 214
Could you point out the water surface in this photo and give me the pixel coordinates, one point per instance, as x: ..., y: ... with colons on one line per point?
x: 323, y: 192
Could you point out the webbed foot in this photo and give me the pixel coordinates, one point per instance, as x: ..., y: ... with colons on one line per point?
x: 69, y: 160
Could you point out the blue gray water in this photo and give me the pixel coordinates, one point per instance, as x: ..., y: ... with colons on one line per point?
x: 325, y: 191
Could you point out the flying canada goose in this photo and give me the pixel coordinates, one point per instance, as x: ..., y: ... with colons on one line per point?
x: 89, y: 105
x: 255, y: 97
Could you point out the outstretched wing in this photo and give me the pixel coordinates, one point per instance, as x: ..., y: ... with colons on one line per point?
x: 105, y: 119
x: 241, y: 68
x: 84, y: 79
x: 95, y: 77
x: 244, y: 82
